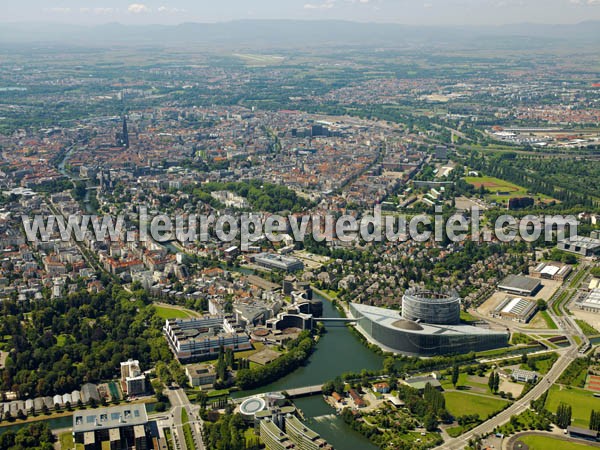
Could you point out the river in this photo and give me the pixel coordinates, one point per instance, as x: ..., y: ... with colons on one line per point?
x: 337, y: 351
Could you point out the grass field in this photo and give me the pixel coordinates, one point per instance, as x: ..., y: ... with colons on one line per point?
x: 165, y: 312
x: 582, y: 402
x: 501, y: 190
x: 460, y: 404
x: 549, y: 322
x: 545, y: 443
x: 66, y: 441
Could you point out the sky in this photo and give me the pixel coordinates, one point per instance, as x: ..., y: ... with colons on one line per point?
x: 412, y: 12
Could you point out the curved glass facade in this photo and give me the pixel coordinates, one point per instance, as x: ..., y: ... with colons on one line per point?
x: 431, y: 340
x: 431, y: 307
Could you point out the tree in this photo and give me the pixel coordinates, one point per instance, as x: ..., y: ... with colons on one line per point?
x: 595, y: 420
x: 455, y: 373
x: 389, y: 365
x: 430, y: 422
x: 491, y: 381
x: 542, y: 305
x: 563, y: 415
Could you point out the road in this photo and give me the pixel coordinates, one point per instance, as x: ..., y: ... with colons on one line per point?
x: 568, y: 327
x: 180, y: 401
x: 517, y: 407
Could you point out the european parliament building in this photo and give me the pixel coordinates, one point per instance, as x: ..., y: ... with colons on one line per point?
x: 429, y: 326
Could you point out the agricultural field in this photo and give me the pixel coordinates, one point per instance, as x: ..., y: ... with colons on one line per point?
x: 582, y: 402
x: 462, y: 403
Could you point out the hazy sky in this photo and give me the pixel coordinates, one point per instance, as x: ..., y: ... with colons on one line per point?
x: 428, y: 12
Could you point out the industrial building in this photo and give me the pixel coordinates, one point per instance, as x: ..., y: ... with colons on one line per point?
x: 278, y: 262
x: 394, y: 333
x: 201, y: 338
x: 554, y: 271
x: 119, y: 427
x: 516, y: 309
x: 520, y: 285
x: 591, y: 303
x: 581, y: 245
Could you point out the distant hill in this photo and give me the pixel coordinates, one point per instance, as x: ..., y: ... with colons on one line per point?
x: 289, y: 33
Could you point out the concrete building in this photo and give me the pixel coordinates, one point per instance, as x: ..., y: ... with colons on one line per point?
x: 516, y: 309
x: 119, y: 427
x: 201, y: 338
x: 520, y: 285
x: 132, y: 379
x: 201, y: 374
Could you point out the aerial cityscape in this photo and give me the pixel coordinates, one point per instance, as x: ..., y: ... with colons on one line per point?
x: 326, y: 225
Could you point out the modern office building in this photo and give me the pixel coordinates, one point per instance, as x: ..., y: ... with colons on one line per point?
x: 201, y: 338
x: 431, y: 307
x: 273, y: 437
x: 117, y: 428
x: 394, y: 333
x: 303, y: 437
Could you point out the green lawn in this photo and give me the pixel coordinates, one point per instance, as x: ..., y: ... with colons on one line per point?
x: 587, y: 329
x: 66, y: 441
x: 549, y: 322
x: 165, y: 312
x: 467, y: 317
x: 582, y: 402
x: 545, y: 443
x: 462, y: 403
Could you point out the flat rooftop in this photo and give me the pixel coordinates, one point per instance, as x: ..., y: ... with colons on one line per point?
x: 106, y: 418
x: 519, y: 283
x: 593, y: 299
